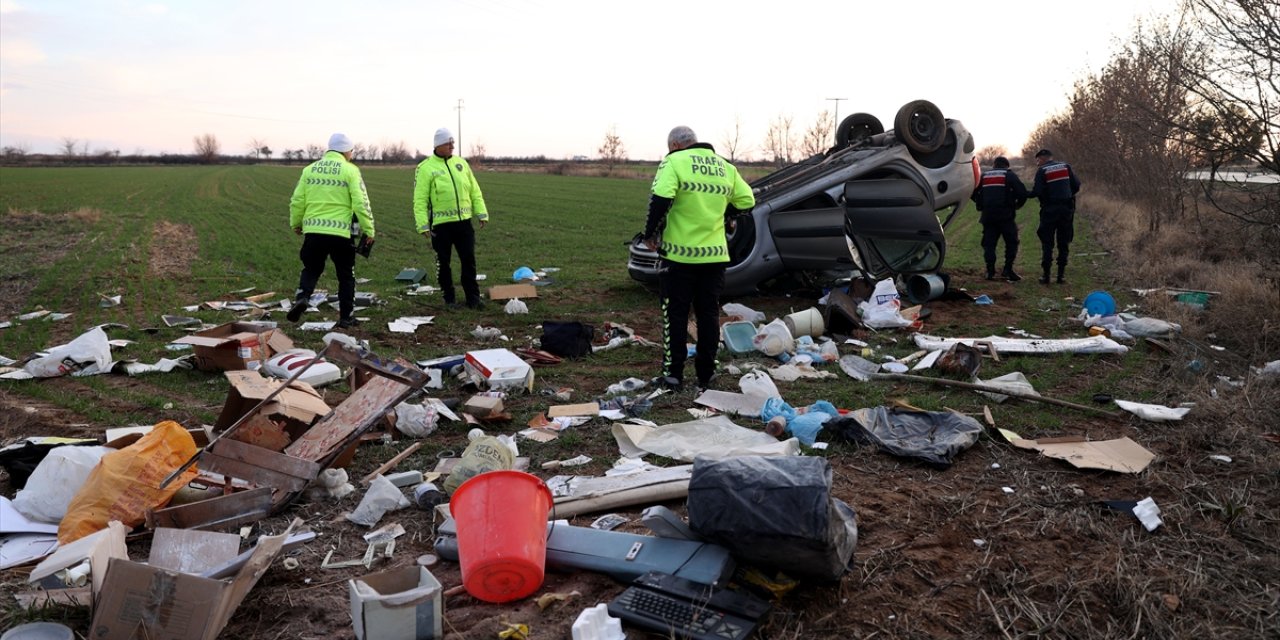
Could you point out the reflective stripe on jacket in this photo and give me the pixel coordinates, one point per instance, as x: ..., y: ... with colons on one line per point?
x: 328, y: 193
x: 445, y: 191
x: 701, y: 185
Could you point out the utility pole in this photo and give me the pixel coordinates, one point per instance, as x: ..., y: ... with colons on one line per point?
x: 459, y: 108
x: 835, y: 122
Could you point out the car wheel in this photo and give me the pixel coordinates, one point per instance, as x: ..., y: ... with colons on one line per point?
x: 856, y: 128
x: 920, y: 125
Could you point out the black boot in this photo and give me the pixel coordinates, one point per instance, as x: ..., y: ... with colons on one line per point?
x: 295, y: 312
x: 991, y: 272
x: 1044, y: 279
x: 1009, y: 274
x: 1062, y: 269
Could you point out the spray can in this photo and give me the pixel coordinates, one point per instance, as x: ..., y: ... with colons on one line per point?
x: 428, y: 495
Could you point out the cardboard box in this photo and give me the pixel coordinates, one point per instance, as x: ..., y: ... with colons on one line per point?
x: 509, y: 291
x: 298, y: 406
x: 500, y: 368
x: 161, y: 601
x: 483, y: 406
x: 236, y: 345
x: 398, y: 604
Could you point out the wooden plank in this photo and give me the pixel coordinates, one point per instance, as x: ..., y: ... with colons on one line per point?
x: 253, y: 473
x: 349, y: 420
x: 267, y: 459
x: 190, y: 551
x: 397, y: 369
x: 74, y: 597
x: 391, y: 464
x: 222, y: 511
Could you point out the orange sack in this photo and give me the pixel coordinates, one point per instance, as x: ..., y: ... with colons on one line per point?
x: 127, y: 482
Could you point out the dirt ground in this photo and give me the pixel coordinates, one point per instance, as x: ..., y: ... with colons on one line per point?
x: 1003, y: 544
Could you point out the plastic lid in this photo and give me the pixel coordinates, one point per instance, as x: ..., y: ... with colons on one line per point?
x: 39, y: 631
x: 1100, y: 303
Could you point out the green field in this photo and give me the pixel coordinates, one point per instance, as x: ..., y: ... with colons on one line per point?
x: 166, y: 238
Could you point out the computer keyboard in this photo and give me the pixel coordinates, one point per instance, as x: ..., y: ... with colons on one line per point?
x: 687, y: 609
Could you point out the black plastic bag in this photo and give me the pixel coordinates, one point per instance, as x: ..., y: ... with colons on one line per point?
x: 933, y: 436
x: 567, y: 339
x: 775, y: 513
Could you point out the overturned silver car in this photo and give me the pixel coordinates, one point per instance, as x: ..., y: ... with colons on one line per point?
x: 874, y: 205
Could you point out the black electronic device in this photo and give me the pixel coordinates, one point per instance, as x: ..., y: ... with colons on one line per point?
x: 686, y: 609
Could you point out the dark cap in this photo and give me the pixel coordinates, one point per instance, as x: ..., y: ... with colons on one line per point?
x: 1044, y: 152
x: 1000, y: 162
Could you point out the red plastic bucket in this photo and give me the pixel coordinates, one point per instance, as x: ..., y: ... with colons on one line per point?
x: 502, y: 534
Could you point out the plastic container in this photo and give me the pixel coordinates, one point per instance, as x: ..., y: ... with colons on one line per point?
x: 1100, y: 303
x: 738, y: 335
x: 805, y: 323
x: 39, y: 631
x: 502, y: 534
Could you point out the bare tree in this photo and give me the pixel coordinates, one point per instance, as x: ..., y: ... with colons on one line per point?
x: 207, y: 148
x: 478, y: 150
x: 314, y: 152
x: 255, y: 147
x: 396, y: 153
x: 68, y: 147
x: 815, y: 139
x: 612, y: 151
x: 991, y: 152
x: 265, y: 152
x: 732, y: 141
x: 778, y: 142
x: 359, y: 152
x: 15, y: 152
x: 375, y: 152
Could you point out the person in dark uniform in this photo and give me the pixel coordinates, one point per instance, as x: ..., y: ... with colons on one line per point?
x: 998, y: 196
x: 1056, y: 186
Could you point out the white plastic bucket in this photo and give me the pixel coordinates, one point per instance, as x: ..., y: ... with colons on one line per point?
x: 805, y: 323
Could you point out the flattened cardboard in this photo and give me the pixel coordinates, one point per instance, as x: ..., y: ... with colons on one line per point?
x: 581, y: 409
x: 235, y: 346
x: 1123, y: 455
x: 146, y: 601
x: 397, y: 604
x: 732, y: 403
x: 509, y: 291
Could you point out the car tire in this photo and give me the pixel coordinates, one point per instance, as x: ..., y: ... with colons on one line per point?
x: 856, y: 128
x: 920, y: 125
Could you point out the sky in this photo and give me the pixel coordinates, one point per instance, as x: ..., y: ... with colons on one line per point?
x: 535, y: 77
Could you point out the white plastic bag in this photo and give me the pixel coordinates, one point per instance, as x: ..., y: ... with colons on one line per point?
x: 56, y: 480
x: 881, y: 311
x: 1151, y: 328
x: 416, y: 420
x: 758, y: 384
x: 743, y: 311
x: 88, y: 349
x: 1153, y: 412
x: 515, y: 306
x: 381, y: 497
x: 773, y: 338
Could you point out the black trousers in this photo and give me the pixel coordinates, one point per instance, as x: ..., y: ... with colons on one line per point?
x: 316, y: 249
x: 992, y: 232
x: 1056, y: 227
x: 447, y: 238
x: 683, y: 286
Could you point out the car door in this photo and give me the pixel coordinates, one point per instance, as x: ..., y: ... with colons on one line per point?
x: 891, y: 227
x: 810, y: 235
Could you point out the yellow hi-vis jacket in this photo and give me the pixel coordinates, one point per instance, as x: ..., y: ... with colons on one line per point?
x: 701, y: 184
x: 328, y: 193
x: 445, y: 191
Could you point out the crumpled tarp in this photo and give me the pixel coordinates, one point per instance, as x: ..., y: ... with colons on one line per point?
x: 1092, y: 344
x: 933, y: 436
x: 714, y: 437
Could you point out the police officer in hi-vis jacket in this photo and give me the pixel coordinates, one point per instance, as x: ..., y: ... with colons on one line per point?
x: 329, y: 195
x: 694, y: 196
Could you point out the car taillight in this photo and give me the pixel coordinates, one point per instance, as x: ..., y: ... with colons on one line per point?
x: 977, y: 174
